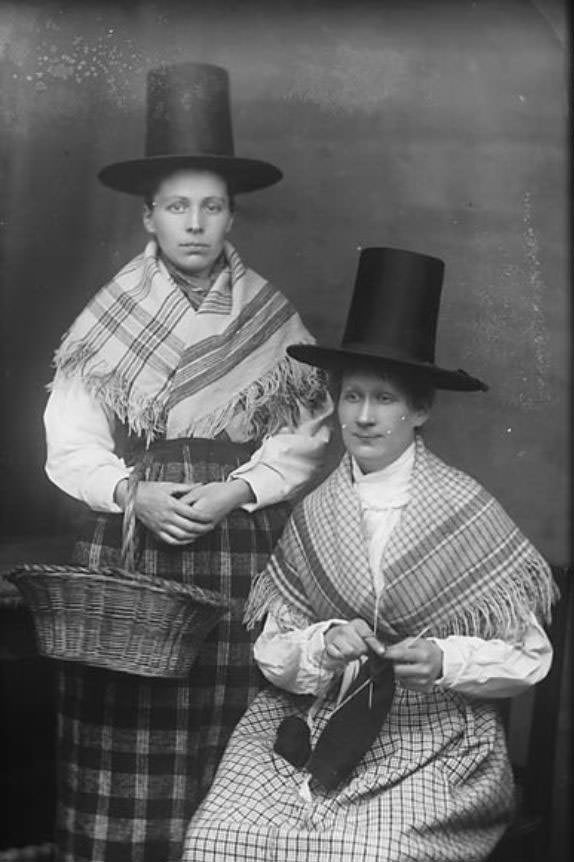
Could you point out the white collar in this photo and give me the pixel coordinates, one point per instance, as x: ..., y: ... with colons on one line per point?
x: 388, y: 487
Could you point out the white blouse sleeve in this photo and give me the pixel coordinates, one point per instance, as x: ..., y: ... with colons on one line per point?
x: 495, y: 668
x: 294, y: 658
x: 288, y: 460
x: 80, y: 446
x: 81, y: 459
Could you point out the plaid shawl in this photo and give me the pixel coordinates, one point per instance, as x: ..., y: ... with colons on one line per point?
x: 455, y: 563
x: 164, y: 368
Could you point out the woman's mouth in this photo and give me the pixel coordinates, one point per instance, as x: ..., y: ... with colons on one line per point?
x: 193, y: 247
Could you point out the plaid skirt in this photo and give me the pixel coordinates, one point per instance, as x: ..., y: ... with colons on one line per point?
x: 137, y: 755
x: 435, y: 785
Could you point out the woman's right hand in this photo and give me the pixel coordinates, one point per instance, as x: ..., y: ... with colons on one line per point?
x: 158, y: 507
x: 348, y: 641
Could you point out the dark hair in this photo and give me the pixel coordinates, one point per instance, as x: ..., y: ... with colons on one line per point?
x: 415, y: 384
x: 149, y: 195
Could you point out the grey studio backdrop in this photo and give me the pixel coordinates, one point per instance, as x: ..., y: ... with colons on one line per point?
x: 433, y: 126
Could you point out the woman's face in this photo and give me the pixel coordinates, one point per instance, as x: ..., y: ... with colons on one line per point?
x: 190, y: 219
x: 377, y: 423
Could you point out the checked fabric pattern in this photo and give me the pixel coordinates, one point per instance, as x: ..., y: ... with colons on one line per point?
x: 136, y: 755
x: 435, y: 785
x: 455, y: 563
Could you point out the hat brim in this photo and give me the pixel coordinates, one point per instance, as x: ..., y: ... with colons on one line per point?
x: 337, y: 358
x: 138, y: 176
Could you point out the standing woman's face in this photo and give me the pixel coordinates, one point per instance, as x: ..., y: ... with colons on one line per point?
x: 190, y: 219
x: 377, y: 422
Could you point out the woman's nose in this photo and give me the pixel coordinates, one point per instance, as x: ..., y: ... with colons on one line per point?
x: 194, y: 220
x: 365, y: 414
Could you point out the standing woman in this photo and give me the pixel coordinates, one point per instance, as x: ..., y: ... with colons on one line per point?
x: 400, y: 603
x: 182, y: 355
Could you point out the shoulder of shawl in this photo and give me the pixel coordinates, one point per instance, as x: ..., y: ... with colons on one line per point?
x: 451, y: 482
x: 129, y: 277
x: 139, y: 264
x: 127, y: 280
x: 252, y: 282
x: 323, y: 496
x: 256, y: 284
x: 254, y: 291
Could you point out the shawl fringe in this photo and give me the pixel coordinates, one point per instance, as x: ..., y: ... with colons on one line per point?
x: 144, y: 416
x: 270, y: 403
x: 456, y: 564
x: 505, y: 611
x: 264, y: 598
x: 130, y: 347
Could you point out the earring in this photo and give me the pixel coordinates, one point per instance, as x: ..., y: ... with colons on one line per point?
x: 403, y: 418
x: 344, y: 426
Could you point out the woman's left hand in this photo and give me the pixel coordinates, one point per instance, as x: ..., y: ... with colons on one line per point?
x: 417, y: 663
x: 212, y: 502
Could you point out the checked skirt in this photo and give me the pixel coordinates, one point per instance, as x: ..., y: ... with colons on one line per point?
x: 435, y: 786
x: 137, y: 755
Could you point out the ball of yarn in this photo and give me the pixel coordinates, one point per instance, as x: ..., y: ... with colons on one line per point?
x: 293, y: 741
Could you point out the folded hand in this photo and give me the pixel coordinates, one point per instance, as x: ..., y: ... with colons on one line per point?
x: 160, y: 508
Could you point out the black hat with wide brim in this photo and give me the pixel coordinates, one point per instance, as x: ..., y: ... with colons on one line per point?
x: 188, y: 125
x: 392, y: 320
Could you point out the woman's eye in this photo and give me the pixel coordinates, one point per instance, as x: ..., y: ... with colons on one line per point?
x: 214, y: 208
x: 177, y: 207
x: 351, y: 397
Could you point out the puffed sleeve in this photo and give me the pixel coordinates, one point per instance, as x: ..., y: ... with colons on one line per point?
x: 80, y: 446
x: 291, y: 654
x: 288, y: 460
x: 495, y: 668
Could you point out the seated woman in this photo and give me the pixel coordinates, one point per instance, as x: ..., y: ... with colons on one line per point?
x: 400, y: 602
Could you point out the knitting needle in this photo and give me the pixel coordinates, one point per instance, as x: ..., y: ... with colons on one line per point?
x: 352, y: 695
x: 419, y: 636
x: 378, y: 647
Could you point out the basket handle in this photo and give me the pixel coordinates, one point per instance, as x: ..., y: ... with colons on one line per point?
x: 129, y: 524
x: 142, y: 472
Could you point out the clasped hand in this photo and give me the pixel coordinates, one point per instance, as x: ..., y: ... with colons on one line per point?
x: 181, y: 513
x: 417, y: 661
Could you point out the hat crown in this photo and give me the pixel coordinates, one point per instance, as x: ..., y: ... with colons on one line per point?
x: 392, y: 318
x: 395, y: 305
x: 188, y: 126
x: 188, y: 111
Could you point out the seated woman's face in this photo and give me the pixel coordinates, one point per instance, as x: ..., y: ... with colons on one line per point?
x: 377, y: 422
x: 190, y: 219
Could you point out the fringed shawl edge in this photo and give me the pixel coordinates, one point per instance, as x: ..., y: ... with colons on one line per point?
x: 269, y: 403
x: 144, y: 415
x: 504, y: 608
x: 265, y: 597
x: 505, y: 614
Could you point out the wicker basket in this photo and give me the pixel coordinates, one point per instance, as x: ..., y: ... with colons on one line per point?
x: 115, y: 617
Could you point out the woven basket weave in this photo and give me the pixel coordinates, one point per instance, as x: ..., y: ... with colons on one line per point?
x: 117, y: 618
